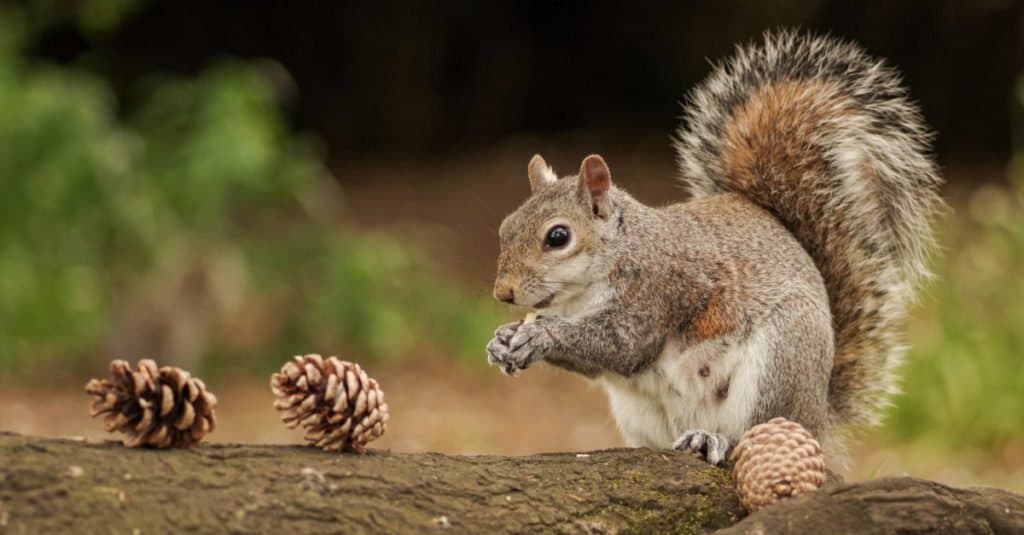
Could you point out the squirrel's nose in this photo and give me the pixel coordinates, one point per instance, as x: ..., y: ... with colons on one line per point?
x: 504, y: 293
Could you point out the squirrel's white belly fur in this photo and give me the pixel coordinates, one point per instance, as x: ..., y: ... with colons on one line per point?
x: 712, y: 386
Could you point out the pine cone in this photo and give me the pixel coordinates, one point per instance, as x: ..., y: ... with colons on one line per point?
x: 159, y: 408
x: 776, y: 460
x: 338, y: 405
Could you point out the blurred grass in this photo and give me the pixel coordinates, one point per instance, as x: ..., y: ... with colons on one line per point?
x: 964, y: 380
x: 964, y: 374
x: 196, y: 226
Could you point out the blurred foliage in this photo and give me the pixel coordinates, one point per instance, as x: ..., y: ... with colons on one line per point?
x: 964, y: 377
x: 94, y: 18
x: 194, y: 227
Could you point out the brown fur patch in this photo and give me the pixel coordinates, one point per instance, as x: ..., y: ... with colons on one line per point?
x: 714, y: 321
x: 769, y: 133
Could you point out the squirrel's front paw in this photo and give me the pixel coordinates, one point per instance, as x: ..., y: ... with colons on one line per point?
x: 498, y: 348
x: 710, y: 446
x: 531, y: 342
x: 517, y: 345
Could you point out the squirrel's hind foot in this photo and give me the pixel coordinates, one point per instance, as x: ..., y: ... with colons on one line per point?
x: 712, y: 447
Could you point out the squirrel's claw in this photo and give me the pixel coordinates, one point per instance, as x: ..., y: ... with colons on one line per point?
x: 504, y: 333
x: 497, y: 352
x: 712, y: 447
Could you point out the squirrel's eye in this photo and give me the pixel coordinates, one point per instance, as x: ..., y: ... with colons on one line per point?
x: 557, y: 237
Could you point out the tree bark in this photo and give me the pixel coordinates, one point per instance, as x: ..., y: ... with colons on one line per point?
x: 892, y: 505
x: 62, y: 486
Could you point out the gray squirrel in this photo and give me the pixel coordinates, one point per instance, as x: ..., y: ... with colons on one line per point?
x: 779, y: 289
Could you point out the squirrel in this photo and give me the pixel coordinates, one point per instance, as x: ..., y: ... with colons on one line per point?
x: 780, y: 288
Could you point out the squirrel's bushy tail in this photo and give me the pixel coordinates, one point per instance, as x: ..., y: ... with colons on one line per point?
x: 824, y: 136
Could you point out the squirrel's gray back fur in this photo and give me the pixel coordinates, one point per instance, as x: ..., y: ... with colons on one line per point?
x: 824, y: 137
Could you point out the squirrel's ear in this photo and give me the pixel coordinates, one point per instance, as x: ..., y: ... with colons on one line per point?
x: 595, y: 180
x: 541, y: 174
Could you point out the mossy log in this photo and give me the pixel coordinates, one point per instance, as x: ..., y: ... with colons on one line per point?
x: 73, y: 486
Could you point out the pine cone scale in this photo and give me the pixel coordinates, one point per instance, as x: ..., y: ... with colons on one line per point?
x: 188, y: 415
x: 331, y: 391
x: 146, y: 421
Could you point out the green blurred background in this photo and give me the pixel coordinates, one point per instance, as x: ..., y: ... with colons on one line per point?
x: 222, y: 185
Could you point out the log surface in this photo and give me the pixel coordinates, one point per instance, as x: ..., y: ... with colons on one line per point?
x: 74, y: 486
